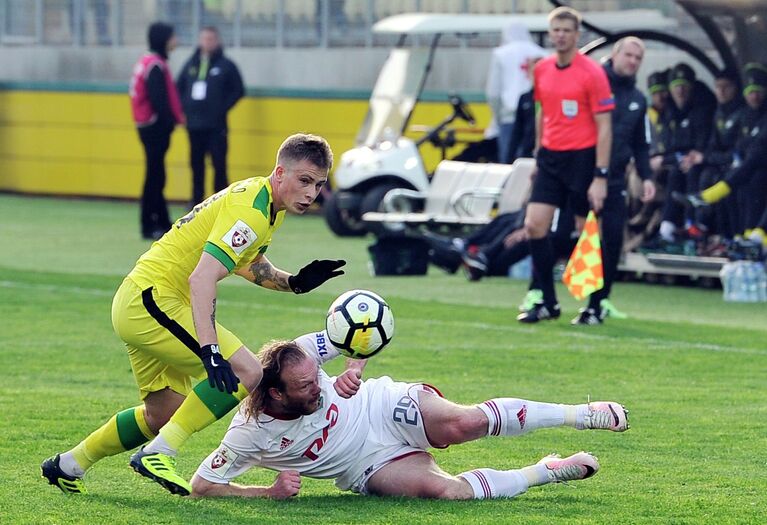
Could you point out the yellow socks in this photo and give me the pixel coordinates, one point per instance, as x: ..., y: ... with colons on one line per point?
x: 203, y: 406
x: 716, y: 192
x: 125, y: 430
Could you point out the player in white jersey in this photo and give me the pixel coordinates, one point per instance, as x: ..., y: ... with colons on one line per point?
x: 372, y: 436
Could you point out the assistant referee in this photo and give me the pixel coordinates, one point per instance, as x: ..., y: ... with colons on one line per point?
x: 573, y: 140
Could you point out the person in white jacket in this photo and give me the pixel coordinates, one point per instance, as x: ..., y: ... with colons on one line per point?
x: 508, y: 79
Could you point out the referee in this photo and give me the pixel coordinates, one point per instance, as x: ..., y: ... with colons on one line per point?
x: 573, y: 139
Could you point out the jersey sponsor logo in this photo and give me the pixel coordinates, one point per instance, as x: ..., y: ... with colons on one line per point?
x: 314, y: 449
x: 239, y: 237
x: 222, y: 460
x: 285, y: 443
x: 322, y: 349
x: 570, y: 108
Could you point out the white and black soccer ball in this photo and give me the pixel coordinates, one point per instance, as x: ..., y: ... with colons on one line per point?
x: 359, y: 323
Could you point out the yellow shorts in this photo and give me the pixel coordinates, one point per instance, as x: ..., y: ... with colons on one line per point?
x: 157, y: 328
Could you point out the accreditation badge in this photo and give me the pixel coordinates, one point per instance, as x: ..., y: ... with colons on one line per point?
x: 570, y: 108
x: 199, y: 90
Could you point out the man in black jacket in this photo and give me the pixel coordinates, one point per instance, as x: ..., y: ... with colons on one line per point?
x: 747, y: 172
x: 716, y: 159
x: 630, y: 141
x: 687, y: 127
x: 210, y: 85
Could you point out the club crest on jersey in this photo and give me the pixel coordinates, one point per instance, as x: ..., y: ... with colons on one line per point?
x: 223, y: 459
x: 239, y: 237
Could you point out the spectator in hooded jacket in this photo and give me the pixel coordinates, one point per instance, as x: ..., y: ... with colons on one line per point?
x: 210, y: 85
x: 156, y: 111
x: 507, y: 80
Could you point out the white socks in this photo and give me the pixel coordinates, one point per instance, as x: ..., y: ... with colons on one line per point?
x: 159, y: 444
x: 70, y: 466
x: 488, y: 483
x: 508, y: 416
x: 667, y: 230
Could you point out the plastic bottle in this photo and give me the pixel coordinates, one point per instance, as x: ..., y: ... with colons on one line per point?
x: 739, y: 283
x: 762, y: 284
x: 750, y: 286
x: 725, y: 275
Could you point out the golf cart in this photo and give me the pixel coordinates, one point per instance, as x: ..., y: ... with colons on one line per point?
x: 384, y: 158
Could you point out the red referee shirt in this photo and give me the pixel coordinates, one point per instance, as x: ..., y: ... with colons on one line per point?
x: 569, y: 98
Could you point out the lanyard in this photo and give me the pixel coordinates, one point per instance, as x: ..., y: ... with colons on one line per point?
x: 203, y: 68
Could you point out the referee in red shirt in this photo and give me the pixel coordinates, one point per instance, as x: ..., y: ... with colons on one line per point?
x: 573, y: 140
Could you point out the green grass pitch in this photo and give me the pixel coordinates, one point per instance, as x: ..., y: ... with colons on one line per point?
x: 690, y: 368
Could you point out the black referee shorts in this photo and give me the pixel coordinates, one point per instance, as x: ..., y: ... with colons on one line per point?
x: 564, y: 178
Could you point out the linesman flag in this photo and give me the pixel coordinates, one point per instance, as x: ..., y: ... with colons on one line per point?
x: 583, y: 273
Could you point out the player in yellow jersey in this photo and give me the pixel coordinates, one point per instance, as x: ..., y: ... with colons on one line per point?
x: 165, y: 312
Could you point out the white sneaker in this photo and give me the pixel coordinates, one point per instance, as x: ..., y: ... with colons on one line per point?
x: 606, y: 415
x: 578, y: 466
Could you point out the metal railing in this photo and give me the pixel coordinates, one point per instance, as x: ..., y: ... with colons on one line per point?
x: 242, y: 23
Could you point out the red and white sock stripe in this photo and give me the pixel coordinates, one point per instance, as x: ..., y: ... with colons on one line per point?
x: 494, y: 415
x: 479, y: 483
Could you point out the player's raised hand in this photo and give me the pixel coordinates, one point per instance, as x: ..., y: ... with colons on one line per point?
x: 286, y: 485
x: 348, y: 383
x: 314, y: 274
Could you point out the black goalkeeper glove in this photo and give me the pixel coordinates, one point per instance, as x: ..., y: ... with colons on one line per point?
x: 220, y: 374
x: 314, y: 274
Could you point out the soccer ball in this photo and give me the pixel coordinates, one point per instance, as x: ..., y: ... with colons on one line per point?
x: 359, y: 323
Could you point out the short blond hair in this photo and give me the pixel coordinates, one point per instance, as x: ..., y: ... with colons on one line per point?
x: 566, y: 13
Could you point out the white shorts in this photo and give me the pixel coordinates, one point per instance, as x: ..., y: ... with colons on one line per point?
x: 396, y: 430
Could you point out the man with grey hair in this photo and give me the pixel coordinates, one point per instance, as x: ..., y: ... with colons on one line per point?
x: 631, y: 140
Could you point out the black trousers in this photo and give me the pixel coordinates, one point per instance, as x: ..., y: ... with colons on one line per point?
x: 613, y: 215
x: 154, y: 209
x: 202, y: 142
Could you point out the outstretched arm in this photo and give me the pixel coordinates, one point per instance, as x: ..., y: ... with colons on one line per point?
x: 286, y: 485
x: 263, y: 273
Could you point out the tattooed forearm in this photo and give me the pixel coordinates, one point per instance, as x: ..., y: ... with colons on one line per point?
x: 213, y: 314
x: 266, y: 275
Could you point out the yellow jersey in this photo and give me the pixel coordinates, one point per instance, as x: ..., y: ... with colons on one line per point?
x: 235, y: 225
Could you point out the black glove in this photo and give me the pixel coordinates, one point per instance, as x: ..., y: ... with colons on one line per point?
x: 314, y: 274
x: 220, y: 374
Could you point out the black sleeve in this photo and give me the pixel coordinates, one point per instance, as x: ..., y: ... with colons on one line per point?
x: 181, y: 82
x: 754, y: 159
x: 704, y: 130
x: 158, y: 97
x: 516, y: 135
x: 641, y: 144
x: 236, y: 88
x: 717, y: 158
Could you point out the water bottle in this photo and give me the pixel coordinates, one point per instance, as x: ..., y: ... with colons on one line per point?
x: 739, y: 283
x: 750, y: 283
x: 730, y: 281
x: 762, y: 283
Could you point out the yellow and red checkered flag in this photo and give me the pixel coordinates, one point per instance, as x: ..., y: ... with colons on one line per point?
x: 583, y: 273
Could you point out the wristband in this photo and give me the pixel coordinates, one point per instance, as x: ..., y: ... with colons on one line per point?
x: 600, y: 172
